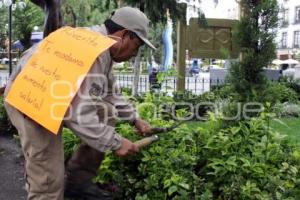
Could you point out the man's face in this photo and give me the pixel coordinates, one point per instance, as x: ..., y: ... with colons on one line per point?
x: 128, y: 48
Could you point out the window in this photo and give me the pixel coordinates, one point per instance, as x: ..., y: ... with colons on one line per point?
x: 297, y: 39
x: 285, y: 17
x: 297, y: 14
x: 284, y: 40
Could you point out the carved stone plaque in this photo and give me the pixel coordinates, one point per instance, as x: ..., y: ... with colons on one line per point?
x: 208, y: 42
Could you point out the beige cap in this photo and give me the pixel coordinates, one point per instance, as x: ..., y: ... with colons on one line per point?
x: 134, y: 20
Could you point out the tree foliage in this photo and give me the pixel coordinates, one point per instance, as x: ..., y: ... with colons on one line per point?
x: 255, y: 35
x: 24, y: 19
x: 86, y: 12
x: 156, y: 9
x: 90, y: 12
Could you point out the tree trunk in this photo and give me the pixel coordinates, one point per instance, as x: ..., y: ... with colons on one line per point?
x: 136, y: 69
x: 53, y: 19
x: 120, y: 3
x: 26, y: 40
x: 181, y: 27
x: 69, y: 10
x: 137, y: 61
x: 142, y: 6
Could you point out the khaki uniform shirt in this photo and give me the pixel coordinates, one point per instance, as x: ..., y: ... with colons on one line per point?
x: 97, y: 90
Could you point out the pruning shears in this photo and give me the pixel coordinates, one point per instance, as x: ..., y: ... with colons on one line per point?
x: 156, y: 130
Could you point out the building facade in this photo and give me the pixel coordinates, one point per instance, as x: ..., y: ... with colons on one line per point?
x: 288, y: 35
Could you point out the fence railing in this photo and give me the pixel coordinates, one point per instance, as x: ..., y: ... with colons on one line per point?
x: 15, y: 54
x: 196, y: 85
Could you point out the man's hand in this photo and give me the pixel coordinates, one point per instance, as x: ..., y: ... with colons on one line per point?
x: 127, y: 148
x: 143, y: 127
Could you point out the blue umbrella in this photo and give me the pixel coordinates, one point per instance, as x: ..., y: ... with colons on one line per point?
x: 18, y: 45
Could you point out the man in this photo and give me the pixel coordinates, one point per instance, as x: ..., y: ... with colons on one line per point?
x: 154, y: 84
x: 91, y: 116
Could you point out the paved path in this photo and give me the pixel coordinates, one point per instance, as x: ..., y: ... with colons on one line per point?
x: 11, y: 170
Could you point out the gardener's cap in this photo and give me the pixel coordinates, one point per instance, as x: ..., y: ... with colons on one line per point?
x: 134, y: 20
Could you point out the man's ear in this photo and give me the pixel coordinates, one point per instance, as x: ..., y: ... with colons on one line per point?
x: 125, y: 32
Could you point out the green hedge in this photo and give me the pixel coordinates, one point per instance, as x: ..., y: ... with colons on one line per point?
x: 225, y: 98
x: 247, y: 161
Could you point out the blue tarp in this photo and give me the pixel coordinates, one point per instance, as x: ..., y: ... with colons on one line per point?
x: 36, y: 37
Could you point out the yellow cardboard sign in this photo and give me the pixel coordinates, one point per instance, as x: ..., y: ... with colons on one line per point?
x: 50, y: 79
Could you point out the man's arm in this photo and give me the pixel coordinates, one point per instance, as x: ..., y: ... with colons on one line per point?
x: 82, y: 117
x: 126, y: 110
x: 83, y: 120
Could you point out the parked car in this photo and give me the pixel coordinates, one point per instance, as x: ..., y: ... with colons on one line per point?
x: 293, y: 71
x: 208, y: 67
x: 4, y: 61
x: 194, y: 70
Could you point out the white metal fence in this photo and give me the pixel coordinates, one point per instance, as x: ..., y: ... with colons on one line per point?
x: 197, y: 84
x: 4, y: 76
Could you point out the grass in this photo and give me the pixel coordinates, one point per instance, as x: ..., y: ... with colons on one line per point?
x: 286, y: 126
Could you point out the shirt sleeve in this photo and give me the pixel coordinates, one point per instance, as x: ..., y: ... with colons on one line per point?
x: 126, y: 111
x: 82, y: 117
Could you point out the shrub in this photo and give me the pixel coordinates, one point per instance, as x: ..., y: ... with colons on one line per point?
x: 163, y: 171
x: 294, y: 84
x: 220, y: 95
x: 287, y: 109
x: 228, y: 102
x: 71, y: 141
x: 5, y: 124
x: 155, y: 105
x: 126, y: 90
x: 246, y: 161
x: 277, y: 93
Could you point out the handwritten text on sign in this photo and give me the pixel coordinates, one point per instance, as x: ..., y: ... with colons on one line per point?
x: 60, y: 60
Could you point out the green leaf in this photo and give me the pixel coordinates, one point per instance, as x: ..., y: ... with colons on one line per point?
x: 172, y: 189
x: 246, y: 162
x: 167, y: 183
x: 231, y: 161
x: 184, y: 185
